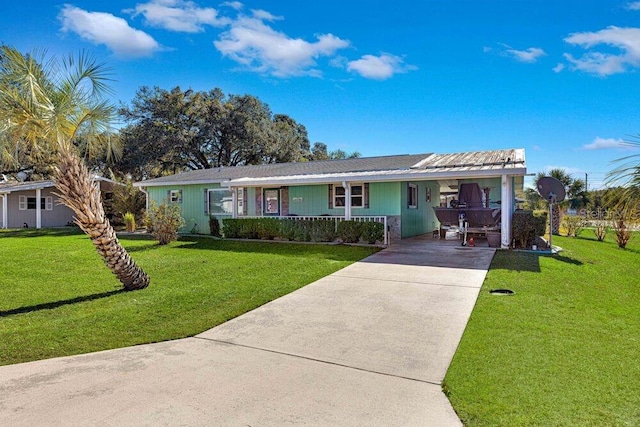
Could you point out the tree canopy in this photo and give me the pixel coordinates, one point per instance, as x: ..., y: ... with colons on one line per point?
x: 168, y: 131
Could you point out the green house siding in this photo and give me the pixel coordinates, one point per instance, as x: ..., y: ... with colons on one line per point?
x: 312, y: 200
x: 193, y: 204
x: 422, y: 219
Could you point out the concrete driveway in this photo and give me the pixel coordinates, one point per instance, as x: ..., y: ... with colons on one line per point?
x: 367, y: 345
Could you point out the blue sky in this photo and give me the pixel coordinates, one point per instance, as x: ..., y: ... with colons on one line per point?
x: 558, y: 78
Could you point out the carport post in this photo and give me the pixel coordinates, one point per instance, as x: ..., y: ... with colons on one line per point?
x: 507, y: 209
x: 38, y: 210
x: 4, y: 210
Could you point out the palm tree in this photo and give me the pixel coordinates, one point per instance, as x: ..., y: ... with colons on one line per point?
x: 574, y: 188
x: 46, y: 105
x: 627, y: 174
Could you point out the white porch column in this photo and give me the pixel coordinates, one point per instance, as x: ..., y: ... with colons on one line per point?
x: 38, y: 210
x: 5, y: 216
x: 347, y: 200
x: 507, y: 210
x: 234, y: 202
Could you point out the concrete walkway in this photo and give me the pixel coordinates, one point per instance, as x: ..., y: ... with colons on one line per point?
x: 367, y: 345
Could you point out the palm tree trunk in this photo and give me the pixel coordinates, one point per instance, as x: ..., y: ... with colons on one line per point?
x: 556, y: 219
x: 77, y: 190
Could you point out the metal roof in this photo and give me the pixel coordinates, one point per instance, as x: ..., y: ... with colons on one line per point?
x: 385, y: 168
x: 11, y: 187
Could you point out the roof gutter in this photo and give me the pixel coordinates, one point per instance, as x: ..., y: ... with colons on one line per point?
x: 406, y: 176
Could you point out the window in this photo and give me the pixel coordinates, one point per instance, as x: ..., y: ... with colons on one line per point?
x: 412, y: 196
x: 220, y: 201
x: 241, y: 201
x: 175, y: 196
x: 357, y: 196
x: 29, y: 203
x: 272, y: 202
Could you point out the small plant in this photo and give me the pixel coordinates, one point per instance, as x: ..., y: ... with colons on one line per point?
x: 600, y: 230
x: 573, y: 224
x: 214, y: 226
x: 195, y: 229
x: 130, y: 222
x: 165, y: 220
x: 622, y: 232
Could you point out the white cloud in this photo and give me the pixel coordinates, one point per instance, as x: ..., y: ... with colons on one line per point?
x: 626, y: 40
x: 607, y: 143
x: 258, y: 47
x: 233, y: 5
x: 558, y: 67
x: 529, y: 55
x: 179, y: 15
x: 379, y: 67
x: 109, y: 30
x: 634, y: 5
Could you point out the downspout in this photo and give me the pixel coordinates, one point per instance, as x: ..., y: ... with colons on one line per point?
x: 347, y: 200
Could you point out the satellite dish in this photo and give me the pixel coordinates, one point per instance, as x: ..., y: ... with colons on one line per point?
x: 21, y: 176
x: 551, y: 189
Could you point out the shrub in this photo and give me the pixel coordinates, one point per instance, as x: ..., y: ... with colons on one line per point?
x: 231, y: 228
x: 214, y: 226
x: 600, y: 229
x: 573, y: 224
x: 165, y: 220
x: 622, y: 232
x: 130, y: 222
x: 127, y: 198
x: 267, y: 228
x: 322, y: 230
x: 349, y: 231
x: 526, y: 227
x: 372, y: 232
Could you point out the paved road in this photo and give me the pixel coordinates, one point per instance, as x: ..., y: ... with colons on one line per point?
x: 367, y: 345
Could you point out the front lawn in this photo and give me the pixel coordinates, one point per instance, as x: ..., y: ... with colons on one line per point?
x: 563, y: 351
x: 58, y: 298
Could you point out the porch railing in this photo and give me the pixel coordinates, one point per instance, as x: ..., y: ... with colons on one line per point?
x: 336, y: 220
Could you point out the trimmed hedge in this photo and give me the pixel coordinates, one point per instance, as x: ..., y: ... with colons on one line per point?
x: 308, y: 230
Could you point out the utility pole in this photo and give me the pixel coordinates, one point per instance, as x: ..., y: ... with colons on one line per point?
x: 586, y: 181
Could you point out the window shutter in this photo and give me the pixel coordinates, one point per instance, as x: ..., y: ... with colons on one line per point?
x: 330, y: 196
x: 365, y: 195
x: 168, y: 196
x: 22, y: 203
x: 49, y: 203
x: 206, y: 201
x: 245, y: 199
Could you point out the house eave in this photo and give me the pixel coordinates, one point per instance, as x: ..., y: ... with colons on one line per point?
x: 390, y: 176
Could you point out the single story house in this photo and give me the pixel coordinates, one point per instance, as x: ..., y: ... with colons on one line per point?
x: 19, y: 205
x: 399, y: 190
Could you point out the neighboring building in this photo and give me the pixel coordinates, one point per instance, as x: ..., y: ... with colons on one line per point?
x: 19, y: 205
x: 402, y: 189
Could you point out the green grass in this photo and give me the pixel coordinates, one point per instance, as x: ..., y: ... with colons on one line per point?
x: 564, y: 350
x: 58, y: 298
